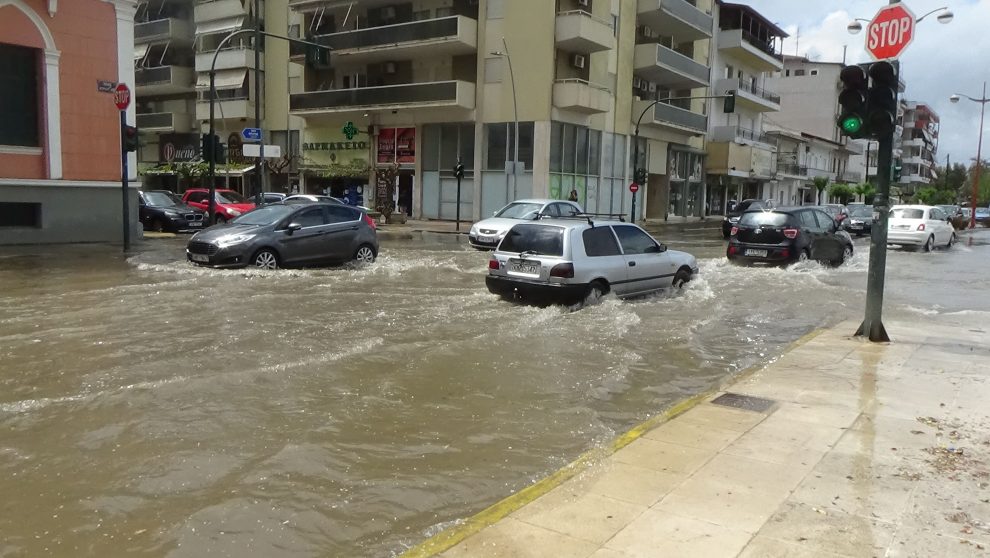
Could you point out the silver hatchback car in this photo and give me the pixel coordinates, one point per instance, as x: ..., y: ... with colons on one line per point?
x: 569, y: 261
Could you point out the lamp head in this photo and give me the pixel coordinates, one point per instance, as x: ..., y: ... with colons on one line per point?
x: 496, y: 53
x: 945, y: 17
x: 854, y: 27
x: 954, y: 98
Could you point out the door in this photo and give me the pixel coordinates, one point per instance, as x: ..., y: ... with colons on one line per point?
x: 810, y: 230
x: 828, y: 246
x: 648, y: 266
x: 605, y: 259
x: 304, y: 244
x: 937, y: 224
x: 198, y: 200
x: 343, y: 224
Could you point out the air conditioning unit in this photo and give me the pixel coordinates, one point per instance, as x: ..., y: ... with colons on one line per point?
x: 647, y: 31
x: 637, y: 83
x: 584, y: 3
x: 388, y: 67
x: 578, y: 61
x: 652, y: 87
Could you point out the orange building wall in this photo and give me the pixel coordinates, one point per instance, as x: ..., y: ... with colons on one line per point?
x: 85, y: 33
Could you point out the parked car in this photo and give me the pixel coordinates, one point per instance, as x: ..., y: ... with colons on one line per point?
x: 273, y: 197
x: 486, y: 234
x: 317, y: 198
x: 788, y: 234
x: 733, y: 214
x: 228, y: 203
x: 161, y: 210
x: 921, y: 226
x: 956, y: 217
x: 283, y: 235
x: 572, y: 261
x: 860, y: 219
x: 983, y: 216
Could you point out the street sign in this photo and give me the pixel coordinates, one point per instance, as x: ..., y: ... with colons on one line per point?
x: 122, y: 96
x: 105, y: 86
x: 254, y: 150
x: 633, y: 187
x: 251, y: 134
x: 890, y: 32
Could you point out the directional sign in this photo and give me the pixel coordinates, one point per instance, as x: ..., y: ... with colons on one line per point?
x: 251, y: 134
x: 633, y: 187
x: 254, y: 150
x: 122, y: 96
x: 890, y: 32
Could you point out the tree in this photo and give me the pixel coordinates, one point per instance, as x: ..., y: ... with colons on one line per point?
x: 867, y: 190
x: 934, y: 196
x: 843, y: 192
x: 821, y: 182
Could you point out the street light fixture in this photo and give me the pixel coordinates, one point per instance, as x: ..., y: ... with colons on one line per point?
x: 944, y: 17
x: 515, y: 112
x: 979, y: 147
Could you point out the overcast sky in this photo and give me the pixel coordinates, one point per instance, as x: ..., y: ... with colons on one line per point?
x: 942, y: 60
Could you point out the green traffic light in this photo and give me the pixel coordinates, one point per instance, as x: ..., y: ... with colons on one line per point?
x: 852, y: 124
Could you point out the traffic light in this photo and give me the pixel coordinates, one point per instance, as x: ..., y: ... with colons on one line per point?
x: 895, y: 171
x: 882, y: 99
x: 129, y: 138
x: 459, y: 170
x: 853, y: 102
x: 640, y: 176
x: 213, y: 149
x: 729, y: 102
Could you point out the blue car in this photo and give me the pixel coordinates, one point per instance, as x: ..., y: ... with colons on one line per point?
x: 983, y: 216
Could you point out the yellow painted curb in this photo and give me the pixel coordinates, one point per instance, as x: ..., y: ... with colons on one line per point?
x: 151, y: 234
x: 449, y: 538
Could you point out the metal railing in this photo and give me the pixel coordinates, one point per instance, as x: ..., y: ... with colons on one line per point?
x: 752, y: 135
x: 758, y: 91
x: 153, y: 76
x: 391, y: 34
x: 681, y: 63
x: 664, y: 112
x: 792, y: 168
x: 584, y: 82
x: 760, y: 44
x: 148, y: 29
x: 409, y: 93
x: 155, y: 120
x: 689, y: 13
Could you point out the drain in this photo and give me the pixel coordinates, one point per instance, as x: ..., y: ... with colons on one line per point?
x: 746, y: 402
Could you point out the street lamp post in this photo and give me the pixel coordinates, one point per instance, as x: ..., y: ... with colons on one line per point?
x: 945, y: 16
x: 212, y: 204
x: 515, y: 114
x: 979, y: 147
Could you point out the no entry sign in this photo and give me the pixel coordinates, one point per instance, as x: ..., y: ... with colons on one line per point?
x: 890, y: 32
x: 633, y: 187
x: 122, y: 96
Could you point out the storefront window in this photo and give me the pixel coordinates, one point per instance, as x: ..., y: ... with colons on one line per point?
x: 686, y: 184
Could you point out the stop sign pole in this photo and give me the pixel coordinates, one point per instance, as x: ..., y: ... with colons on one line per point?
x: 122, y: 98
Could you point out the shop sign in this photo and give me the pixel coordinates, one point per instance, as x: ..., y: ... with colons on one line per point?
x: 397, y: 145
x: 335, y: 146
x: 178, y: 148
x: 326, y: 146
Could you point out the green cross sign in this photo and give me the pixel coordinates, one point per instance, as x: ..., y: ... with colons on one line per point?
x: 349, y: 130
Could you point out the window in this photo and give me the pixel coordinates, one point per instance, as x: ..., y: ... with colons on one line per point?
x: 495, y: 8
x: 600, y: 241
x: 340, y: 214
x: 729, y: 71
x: 501, y: 138
x: 814, y: 72
x: 798, y: 72
x: 937, y: 215
x: 493, y: 70
x: 19, y: 96
x: 539, y: 239
x: 787, y: 73
x: 197, y: 197
x: 310, y: 217
x: 634, y: 240
x: 19, y: 214
x: 825, y: 221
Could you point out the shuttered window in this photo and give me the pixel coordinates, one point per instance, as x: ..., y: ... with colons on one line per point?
x: 19, y: 96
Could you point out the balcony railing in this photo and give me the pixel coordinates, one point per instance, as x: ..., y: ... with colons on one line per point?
x: 146, y: 30
x: 664, y: 112
x: 406, y: 94
x: 155, y: 120
x: 757, y: 43
x: 758, y: 91
x: 391, y: 34
x: 752, y: 135
x: 681, y: 63
x: 688, y: 12
x: 792, y: 168
x: 153, y: 76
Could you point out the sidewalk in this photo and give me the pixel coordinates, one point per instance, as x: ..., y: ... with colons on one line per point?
x: 839, y: 448
x: 414, y: 228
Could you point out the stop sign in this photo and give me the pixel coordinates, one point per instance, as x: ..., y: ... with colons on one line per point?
x: 122, y: 96
x: 890, y: 32
x: 633, y: 187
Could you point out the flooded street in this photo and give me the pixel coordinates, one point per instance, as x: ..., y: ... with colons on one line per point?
x: 150, y: 407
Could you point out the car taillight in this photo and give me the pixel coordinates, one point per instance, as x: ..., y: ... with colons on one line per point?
x: 493, y: 264
x: 791, y: 233
x: 733, y: 231
x: 732, y: 250
x: 785, y: 253
x: 921, y: 227
x: 564, y: 270
x: 370, y: 221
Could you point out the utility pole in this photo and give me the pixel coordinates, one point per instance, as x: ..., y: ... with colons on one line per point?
x: 259, y: 182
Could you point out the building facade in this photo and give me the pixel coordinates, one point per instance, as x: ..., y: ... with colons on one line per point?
x: 60, y: 159
x: 919, y: 147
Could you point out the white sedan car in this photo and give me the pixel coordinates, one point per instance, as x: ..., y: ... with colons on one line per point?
x: 487, y: 233
x: 923, y: 226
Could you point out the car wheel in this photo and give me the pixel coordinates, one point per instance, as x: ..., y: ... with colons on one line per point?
x: 682, y: 277
x: 952, y: 240
x: 929, y: 244
x: 265, y: 259
x: 221, y: 219
x: 365, y: 254
x: 803, y: 256
x: 847, y: 254
x: 596, y: 292
x: 157, y: 225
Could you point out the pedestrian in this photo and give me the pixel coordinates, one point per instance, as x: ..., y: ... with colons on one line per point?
x: 572, y: 196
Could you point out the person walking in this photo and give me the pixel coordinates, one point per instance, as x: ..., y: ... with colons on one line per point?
x: 573, y: 196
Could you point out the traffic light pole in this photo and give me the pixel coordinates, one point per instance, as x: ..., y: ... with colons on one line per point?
x: 872, y: 325
x: 123, y: 181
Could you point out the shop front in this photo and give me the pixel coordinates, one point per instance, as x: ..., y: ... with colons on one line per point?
x: 335, y: 162
x: 687, y: 183
x: 395, y: 162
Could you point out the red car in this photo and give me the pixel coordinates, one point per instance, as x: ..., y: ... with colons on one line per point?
x: 229, y: 204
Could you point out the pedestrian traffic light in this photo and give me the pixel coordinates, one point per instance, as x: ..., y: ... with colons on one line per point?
x: 459, y: 170
x: 853, y: 102
x: 640, y: 176
x: 729, y: 102
x: 129, y: 138
x: 213, y: 149
x: 882, y: 99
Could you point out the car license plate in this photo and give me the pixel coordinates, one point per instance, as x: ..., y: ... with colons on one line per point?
x: 758, y: 253
x: 195, y: 223
x: 199, y: 257
x: 526, y: 268
x: 485, y: 238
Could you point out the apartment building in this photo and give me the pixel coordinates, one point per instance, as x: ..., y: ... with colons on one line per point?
x: 418, y: 86
x: 60, y: 161
x: 919, y: 145
x: 741, y: 156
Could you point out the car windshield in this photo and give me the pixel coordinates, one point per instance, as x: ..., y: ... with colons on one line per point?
x: 861, y: 211
x: 541, y: 240
x: 982, y: 210
x: 763, y: 219
x: 949, y: 209
x: 230, y: 197
x: 519, y: 210
x: 159, y: 199
x: 906, y: 213
x: 266, y: 215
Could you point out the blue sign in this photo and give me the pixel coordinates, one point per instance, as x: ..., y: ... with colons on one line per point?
x: 251, y: 134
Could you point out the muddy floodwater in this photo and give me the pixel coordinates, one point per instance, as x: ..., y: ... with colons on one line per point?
x: 152, y: 408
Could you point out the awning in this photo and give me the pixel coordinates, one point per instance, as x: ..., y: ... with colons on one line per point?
x: 140, y: 51
x: 233, y: 171
x: 225, y: 79
x: 224, y: 25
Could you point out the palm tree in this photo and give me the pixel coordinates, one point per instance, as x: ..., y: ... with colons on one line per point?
x: 821, y: 182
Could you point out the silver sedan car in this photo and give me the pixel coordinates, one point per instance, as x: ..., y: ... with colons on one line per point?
x: 486, y: 234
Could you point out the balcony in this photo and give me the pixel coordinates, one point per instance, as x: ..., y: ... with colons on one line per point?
x: 743, y: 161
x: 750, y: 50
x: 445, y: 36
x: 219, y: 9
x: 679, y: 19
x: 434, y: 94
x: 239, y: 108
x: 675, y: 118
x: 850, y: 177
x: 163, y: 80
x: 580, y: 32
x: 163, y: 122
x: 749, y: 96
x: 666, y: 67
x: 792, y: 169
x: 581, y: 96
x: 228, y: 59
x: 164, y: 30
x: 740, y: 135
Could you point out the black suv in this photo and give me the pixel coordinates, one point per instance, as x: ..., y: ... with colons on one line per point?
x: 732, y: 216
x: 788, y: 234
x: 161, y: 210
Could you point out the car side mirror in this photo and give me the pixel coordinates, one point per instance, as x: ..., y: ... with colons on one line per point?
x: 292, y: 227
x: 656, y: 249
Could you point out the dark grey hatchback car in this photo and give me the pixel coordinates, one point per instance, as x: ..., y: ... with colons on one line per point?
x: 279, y: 235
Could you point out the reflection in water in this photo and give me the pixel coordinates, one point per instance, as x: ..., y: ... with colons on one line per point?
x: 150, y: 406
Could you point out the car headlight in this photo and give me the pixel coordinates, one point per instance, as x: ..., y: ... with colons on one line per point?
x: 234, y: 239
x: 172, y: 214
x: 233, y: 212
x: 474, y: 230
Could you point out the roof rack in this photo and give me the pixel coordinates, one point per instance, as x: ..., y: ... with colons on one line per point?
x: 590, y: 216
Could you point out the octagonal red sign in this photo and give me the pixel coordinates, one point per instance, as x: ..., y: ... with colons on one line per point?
x: 890, y: 32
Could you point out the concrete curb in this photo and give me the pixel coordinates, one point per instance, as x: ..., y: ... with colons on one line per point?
x: 449, y: 538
